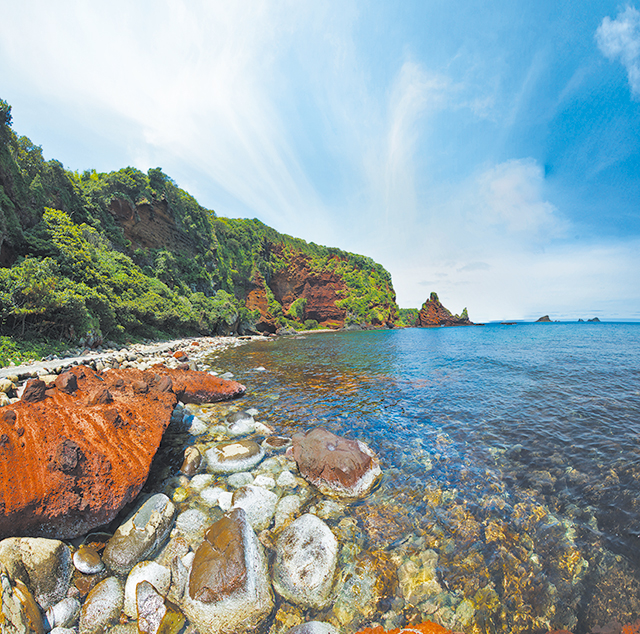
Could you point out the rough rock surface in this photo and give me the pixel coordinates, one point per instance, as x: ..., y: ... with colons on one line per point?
x: 306, y: 556
x: 42, y: 564
x: 191, y: 386
x: 228, y: 588
x: 73, y: 454
x: 336, y: 465
x: 433, y: 313
x: 141, y: 535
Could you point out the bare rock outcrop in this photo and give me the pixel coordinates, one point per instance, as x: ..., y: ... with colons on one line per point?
x: 76, y: 451
x: 433, y: 313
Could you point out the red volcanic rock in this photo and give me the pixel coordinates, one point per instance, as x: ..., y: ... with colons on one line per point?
x: 70, y: 461
x: 181, y: 355
x: 191, y: 386
x: 433, y: 313
x: 336, y: 465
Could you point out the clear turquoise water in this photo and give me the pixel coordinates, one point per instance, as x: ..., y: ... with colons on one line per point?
x: 533, y: 428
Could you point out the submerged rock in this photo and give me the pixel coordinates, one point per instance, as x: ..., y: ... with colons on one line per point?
x: 141, y: 535
x: 19, y: 613
x: 156, y: 615
x: 335, y: 465
x: 231, y: 457
x: 102, y: 607
x: 258, y: 503
x: 306, y: 556
x: 150, y: 571
x: 228, y: 587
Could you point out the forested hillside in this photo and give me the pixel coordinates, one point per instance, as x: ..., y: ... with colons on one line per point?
x: 91, y: 255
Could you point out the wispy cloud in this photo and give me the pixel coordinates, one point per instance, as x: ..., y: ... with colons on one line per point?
x: 620, y: 39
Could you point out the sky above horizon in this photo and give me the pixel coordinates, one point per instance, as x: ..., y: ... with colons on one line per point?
x: 486, y: 150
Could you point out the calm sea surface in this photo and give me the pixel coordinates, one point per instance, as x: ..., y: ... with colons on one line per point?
x: 511, y: 452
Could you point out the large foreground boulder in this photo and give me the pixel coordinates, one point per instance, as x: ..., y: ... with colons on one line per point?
x: 74, y: 452
x: 228, y: 589
x: 335, y: 465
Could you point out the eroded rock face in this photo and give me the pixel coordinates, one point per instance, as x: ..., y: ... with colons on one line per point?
x: 76, y: 452
x: 228, y: 588
x: 191, y: 386
x: 433, y: 313
x: 336, y: 465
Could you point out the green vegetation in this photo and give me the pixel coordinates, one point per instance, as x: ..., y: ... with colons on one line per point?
x: 408, y: 317
x: 75, y: 271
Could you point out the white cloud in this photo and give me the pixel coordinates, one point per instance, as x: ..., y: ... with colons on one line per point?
x: 620, y: 39
x: 511, y: 195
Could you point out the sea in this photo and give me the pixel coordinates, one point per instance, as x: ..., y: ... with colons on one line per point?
x: 510, y: 494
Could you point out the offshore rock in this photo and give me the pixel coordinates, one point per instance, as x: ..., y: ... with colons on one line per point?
x: 141, y: 535
x: 42, y: 564
x: 228, y: 587
x: 433, y: 313
x: 72, y: 456
x: 335, y: 465
x: 306, y: 556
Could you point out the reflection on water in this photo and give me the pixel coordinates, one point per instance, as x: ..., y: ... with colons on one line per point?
x: 509, y: 500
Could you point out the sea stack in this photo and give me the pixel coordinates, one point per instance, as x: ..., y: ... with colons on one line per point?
x: 433, y: 313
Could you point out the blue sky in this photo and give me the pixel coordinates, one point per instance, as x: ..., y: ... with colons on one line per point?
x: 486, y: 150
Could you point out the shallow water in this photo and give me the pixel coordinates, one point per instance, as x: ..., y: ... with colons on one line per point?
x: 509, y: 452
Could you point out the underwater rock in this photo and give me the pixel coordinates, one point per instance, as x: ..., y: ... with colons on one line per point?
x: 313, y: 627
x: 228, y: 587
x: 191, y: 462
x: 155, y: 574
x: 87, y: 560
x: 19, y: 612
x: 141, y: 535
x: 258, y: 503
x: 156, y: 615
x: 102, y: 607
x: 230, y: 457
x: 306, y: 556
x: 335, y: 465
x: 422, y: 628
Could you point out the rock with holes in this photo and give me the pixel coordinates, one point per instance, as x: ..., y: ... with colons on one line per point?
x: 306, y: 555
x: 141, y: 535
x: 337, y: 466
x: 74, y: 451
x: 228, y: 588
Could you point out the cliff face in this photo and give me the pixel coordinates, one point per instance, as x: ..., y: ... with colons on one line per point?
x: 131, y: 252
x: 149, y: 226
x: 433, y: 313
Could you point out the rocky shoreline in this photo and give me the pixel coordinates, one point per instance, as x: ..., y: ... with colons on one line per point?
x: 236, y: 540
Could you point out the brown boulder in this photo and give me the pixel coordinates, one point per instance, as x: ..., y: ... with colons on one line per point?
x: 73, y: 456
x: 433, y: 313
x: 336, y: 465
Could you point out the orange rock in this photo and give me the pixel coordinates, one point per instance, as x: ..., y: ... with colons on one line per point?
x: 72, y: 456
x: 181, y: 355
x: 423, y: 628
x: 631, y: 628
x: 191, y: 386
